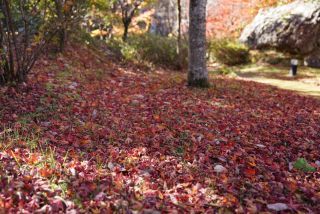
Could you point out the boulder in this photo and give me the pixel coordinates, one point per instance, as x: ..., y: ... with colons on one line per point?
x: 313, y: 60
x: 293, y: 28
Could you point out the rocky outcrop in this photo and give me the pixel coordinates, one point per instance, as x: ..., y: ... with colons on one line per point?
x: 313, y: 60
x: 164, y: 20
x: 294, y: 28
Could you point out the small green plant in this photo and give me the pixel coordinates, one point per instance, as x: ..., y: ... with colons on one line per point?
x: 11, y: 138
x: 223, y: 71
x: 64, y: 75
x: 60, y: 186
x: 83, y: 37
x: 180, y: 151
x: 302, y: 164
x: 272, y: 57
x: 228, y: 52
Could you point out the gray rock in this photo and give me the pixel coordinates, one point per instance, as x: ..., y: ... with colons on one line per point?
x: 294, y: 28
x: 220, y: 169
x: 277, y: 207
x: 313, y: 60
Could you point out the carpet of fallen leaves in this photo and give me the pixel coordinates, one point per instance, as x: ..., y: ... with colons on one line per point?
x: 89, y: 134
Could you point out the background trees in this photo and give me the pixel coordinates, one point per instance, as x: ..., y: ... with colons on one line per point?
x: 68, y: 14
x: 128, y: 10
x: 24, y: 32
x: 28, y: 25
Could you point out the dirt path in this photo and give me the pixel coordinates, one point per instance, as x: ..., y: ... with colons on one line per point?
x: 307, y: 82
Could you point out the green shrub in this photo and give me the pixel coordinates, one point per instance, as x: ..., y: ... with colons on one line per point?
x: 115, y: 45
x: 272, y: 57
x: 223, y: 71
x: 82, y: 37
x: 157, y: 50
x: 124, y: 50
x: 228, y: 52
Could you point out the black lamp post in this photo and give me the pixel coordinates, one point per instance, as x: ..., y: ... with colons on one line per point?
x: 294, y: 67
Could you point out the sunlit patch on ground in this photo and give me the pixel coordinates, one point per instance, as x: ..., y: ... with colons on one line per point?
x: 306, y: 82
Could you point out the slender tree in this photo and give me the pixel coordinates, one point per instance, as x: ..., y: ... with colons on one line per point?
x: 59, y: 6
x: 128, y: 10
x: 24, y: 33
x: 68, y: 13
x: 198, y: 74
x: 179, y: 33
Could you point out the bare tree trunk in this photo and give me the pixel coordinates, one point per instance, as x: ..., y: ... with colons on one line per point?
x: 127, y: 11
x: 62, y: 28
x: 179, y: 34
x: 125, y: 32
x: 12, y: 52
x: 4, y: 68
x: 198, y: 74
x: 62, y: 39
x: 18, y: 52
x: 179, y: 19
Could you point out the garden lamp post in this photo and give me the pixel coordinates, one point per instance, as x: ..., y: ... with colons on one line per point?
x: 294, y: 67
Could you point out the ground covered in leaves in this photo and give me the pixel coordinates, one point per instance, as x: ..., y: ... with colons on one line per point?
x: 87, y: 134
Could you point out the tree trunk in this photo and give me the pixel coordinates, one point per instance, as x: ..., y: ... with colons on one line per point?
x: 4, y: 68
x: 11, y: 43
x: 198, y: 74
x: 62, y: 39
x: 179, y: 35
x: 179, y: 19
x: 125, y: 32
x: 62, y: 28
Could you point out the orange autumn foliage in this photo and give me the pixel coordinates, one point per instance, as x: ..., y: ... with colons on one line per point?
x: 226, y: 18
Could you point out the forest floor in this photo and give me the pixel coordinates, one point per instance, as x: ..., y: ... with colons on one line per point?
x: 89, y: 134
